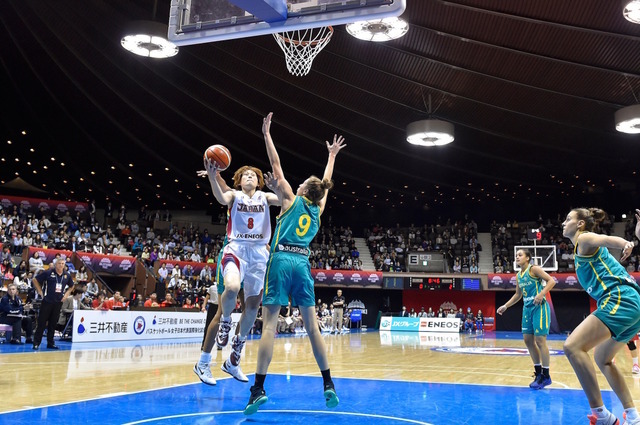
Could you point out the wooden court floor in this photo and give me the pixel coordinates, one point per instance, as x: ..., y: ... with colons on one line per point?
x: 98, y: 370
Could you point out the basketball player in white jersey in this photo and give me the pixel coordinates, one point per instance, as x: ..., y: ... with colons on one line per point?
x: 244, y: 260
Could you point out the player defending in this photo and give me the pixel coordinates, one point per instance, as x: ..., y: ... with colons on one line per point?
x: 535, y: 314
x: 244, y: 260
x: 289, y: 270
x: 616, y: 320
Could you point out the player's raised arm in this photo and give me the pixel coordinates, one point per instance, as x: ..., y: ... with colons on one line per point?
x: 224, y: 197
x: 333, y: 148
x: 283, y: 187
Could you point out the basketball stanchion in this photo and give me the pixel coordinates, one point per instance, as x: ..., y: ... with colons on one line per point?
x: 300, y: 47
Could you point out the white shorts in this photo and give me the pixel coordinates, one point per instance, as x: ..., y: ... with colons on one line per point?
x: 251, y: 260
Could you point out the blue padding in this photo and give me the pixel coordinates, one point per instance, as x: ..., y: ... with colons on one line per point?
x: 267, y: 10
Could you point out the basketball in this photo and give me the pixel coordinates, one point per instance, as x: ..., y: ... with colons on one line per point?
x: 220, y: 155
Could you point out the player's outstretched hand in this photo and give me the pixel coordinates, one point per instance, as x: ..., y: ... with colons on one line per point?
x: 336, y: 146
x: 271, y: 181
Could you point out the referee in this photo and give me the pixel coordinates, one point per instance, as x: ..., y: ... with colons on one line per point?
x: 54, y: 283
x: 338, y: 309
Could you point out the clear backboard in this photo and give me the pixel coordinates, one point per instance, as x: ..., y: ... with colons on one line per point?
x: 541, y: 255
x: 204, y: 21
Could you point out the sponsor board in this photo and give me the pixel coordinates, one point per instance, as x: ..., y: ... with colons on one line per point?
x: 420, y: 324
x: 96, y: 325
x: 424, y: 339
x: 563, y: 280
x: 347, y: 278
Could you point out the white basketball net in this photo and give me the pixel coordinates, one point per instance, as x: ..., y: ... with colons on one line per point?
x: 300, y: 47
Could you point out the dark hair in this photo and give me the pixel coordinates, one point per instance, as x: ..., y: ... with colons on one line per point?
x: 592, y: 218
x: 317, y: 188
x: 526, y: 252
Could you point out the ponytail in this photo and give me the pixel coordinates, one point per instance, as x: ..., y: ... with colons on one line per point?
x: 592, y: 218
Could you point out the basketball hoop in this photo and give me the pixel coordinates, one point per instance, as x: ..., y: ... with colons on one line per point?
x: 300, y: 47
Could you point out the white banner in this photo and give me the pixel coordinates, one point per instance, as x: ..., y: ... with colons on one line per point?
x: 420, y: 324
x: 427, y: 339
x: 96, y: 325
x: 438, y: 324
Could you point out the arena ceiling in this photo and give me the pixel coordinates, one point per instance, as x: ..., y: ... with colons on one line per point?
x: 531, y: 87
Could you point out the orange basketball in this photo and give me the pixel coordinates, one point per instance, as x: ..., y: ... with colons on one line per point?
x: 220, y: 155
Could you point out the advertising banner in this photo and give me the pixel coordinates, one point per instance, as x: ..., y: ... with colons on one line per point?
x: 96, y: 325
x: 426, y: 339
x: 47, y: 255
x: 31, y: 205
x: 347, y: 278
x: 563, y: 280
x: 112, y: 264
x: 420, y: 324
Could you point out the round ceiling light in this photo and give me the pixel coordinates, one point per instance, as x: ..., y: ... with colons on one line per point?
x: 631, y: 11
x: 430, y: 133
x: 378, y: 29
x: 149, y: 39
x: 628, y: 119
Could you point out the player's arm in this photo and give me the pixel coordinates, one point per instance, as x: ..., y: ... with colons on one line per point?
x: 333, y: 148
x: 204, y: 303
x: 224, y: 197
x: 514, y: 299
x: 589, y: 241
x: 549, y: 283
x: 638, y: 224
x: 286, y: 194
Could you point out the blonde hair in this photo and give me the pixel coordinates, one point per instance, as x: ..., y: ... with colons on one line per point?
x: 592, y: 218
x: 237, y: 176
x: 317, y: 188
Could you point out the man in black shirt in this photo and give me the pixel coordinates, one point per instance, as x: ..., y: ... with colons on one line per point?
x: 338, y: 309
x: 54, y: 282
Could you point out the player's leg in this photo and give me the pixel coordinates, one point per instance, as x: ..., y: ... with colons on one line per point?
x: 319, y: 348
x: 227, y: 303
x: 590, y: 333
x: 265, y: 354
x: 203, y: 369
x: 540, y: 321
x: 249, y: 314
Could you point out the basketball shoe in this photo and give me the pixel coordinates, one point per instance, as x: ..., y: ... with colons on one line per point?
x: 258, y: 398
x: 540, y: 382
x: 635, y: 369
x: 626, y: 422
x: 330, y: 396
x: 232, y: 364
x: 610, y: 420
x: 204, y: 373
x: 222, y: 337
x: 534, y: 383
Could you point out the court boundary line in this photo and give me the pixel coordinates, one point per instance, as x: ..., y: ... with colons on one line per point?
x: 326, y: 412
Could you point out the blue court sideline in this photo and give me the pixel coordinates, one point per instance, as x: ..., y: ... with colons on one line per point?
x: 294, y: 399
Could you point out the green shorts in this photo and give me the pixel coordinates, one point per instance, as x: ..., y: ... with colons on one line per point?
x: 619, y: 310
x: 289, y: 274
x: 535, y: 320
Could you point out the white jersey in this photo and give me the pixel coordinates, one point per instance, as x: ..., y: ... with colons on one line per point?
x: 249, y: 219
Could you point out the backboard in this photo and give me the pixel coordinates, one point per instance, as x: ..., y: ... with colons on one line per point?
x: 541, y: 255
x: 204, y: 21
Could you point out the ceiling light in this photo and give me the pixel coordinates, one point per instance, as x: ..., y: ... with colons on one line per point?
x: 149, y: 39
x: 378, y: 29
x: 631, y: 11
x: 430, y: 133
x: 628, y: 119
